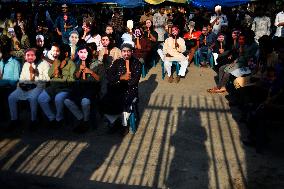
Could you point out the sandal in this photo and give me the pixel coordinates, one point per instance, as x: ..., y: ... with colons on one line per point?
x: 216, y: 90
x: 212, y: 89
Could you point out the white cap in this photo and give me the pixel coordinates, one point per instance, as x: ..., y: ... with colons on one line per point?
x: 64, y: 6
x: 40, y: 37
x: 11, y: 30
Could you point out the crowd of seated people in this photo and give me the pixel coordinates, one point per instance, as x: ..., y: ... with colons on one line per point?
x: 66, y: 61
x: 253, y: 75
x: 77, y: 75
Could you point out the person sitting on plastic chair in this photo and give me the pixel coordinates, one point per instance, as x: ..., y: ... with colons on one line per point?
x: 123, y: 77
x: 206, y: 43
x: 173, y: 50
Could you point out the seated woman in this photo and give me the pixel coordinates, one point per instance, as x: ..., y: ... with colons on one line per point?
x: 151, y: 37
x: 142, y: 47
x: 84, y: 91
x: 191, y: 40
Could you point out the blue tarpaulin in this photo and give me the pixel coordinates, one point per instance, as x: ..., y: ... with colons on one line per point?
x: 135, y: 3
x: 211, y: 4
x: 124, y: 3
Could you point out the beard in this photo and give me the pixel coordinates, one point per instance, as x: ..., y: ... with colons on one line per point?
x: 30, y: 61
x: 126, y: 57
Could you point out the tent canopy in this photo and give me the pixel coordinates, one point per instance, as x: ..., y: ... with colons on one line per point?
x: 156, y: 2
x: 125, y: 3
x: 135, y: 3
x: 211, y: 4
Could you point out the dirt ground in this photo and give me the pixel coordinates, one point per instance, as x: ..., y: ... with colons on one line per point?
x: 186, y: 138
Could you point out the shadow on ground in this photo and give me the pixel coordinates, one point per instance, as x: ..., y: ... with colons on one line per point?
x: 183, y: 141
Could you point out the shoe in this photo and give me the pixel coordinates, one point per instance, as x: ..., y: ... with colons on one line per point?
x: 203, y: 64
x: 82, y: 127
x: 51, y: 124
x: 59, y: 123
x: 170, y: 79
x: 12, y: 125
x: 249, y: 143
x: 33, y: 125
x: 114, y: 127
x: 177, y: 79
x: 124, y: 131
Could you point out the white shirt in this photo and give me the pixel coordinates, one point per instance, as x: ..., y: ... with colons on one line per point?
x: 43, y: 68
x: 160, y: 20
x: 127, y: 38
x: 176, y: 53
x: 96, y: 39
x: 222, y: 21
x: 279, y: 18
x: 89, y: 39
x: 261, y: 26
x: 98, y: 42
x: 25, y: 74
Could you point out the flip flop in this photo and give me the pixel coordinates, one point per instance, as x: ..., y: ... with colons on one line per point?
x: 214, y: 90
x: 211, y: 89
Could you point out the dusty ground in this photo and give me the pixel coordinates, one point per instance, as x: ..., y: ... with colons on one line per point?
x: 186, y: 139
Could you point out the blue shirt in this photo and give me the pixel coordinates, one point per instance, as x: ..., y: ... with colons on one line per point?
x: 10, y: 72
x: 59, y: 23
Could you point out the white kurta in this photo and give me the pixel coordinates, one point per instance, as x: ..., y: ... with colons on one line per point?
x: 279, y: 18
x: 96, y: 39
x: 159, y: 22
x: 222, y: 21
x: 176, y: 55
x: 261, y: 26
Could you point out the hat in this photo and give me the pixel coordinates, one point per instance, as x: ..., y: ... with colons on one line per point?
x: 40, y: 37
x: 74, y: 31
x: 218, y: 8
x: 64, y: 6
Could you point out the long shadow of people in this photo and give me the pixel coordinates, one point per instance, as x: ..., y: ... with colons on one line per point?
x: 58, y: 158
x: 100, y: 147
x: 189, y: 167
x: 146, y: 88
x: 61, y: 158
